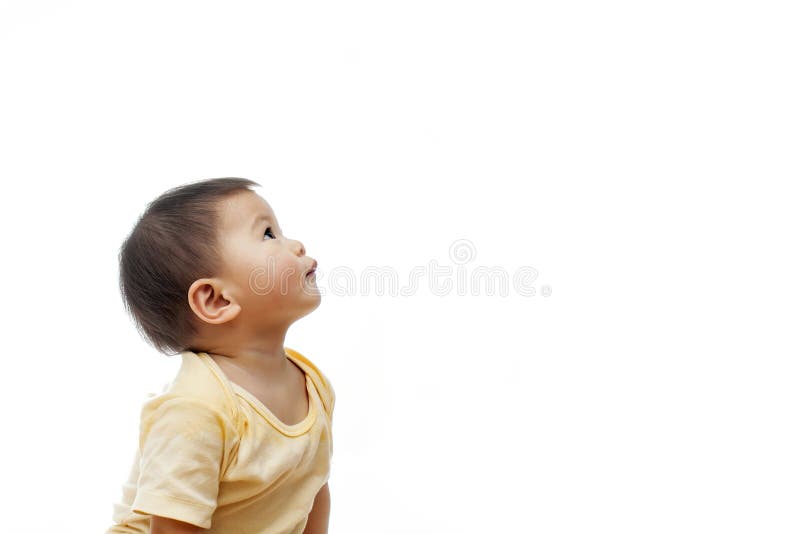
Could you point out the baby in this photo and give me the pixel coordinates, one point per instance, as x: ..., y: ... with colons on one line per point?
x: 240, y: 441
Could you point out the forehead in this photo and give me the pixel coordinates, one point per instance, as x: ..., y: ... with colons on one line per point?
x: 240, y: 209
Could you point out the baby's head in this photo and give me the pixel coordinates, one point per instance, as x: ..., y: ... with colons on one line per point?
x: 207, y: 263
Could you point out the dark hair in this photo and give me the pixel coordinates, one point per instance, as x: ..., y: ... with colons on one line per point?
x: 173, y: 243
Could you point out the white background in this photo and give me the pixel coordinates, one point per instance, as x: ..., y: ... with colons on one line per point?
x: 641, y: 156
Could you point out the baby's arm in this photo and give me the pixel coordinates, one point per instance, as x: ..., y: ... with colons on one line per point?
x: 165, y: 525
x: 320, y: 512
x: 182, y: 444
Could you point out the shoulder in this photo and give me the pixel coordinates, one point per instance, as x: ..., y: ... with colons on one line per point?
x: 197, y: 385
x: 320, y: 379
x: 196, y: 398
x: 169, y: 409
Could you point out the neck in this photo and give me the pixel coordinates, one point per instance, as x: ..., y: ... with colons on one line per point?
x: 261, y: 357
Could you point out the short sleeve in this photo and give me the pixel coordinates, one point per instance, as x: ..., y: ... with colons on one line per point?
x: 331, y: 394
x: 321, y: 381
x: 182, y: 448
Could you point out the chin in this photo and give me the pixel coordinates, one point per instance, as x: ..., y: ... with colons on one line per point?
x: 313, y: 304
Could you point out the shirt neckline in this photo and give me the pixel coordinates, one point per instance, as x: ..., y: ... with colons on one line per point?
x: 289, y: 430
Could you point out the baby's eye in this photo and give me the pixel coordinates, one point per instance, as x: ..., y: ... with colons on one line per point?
x: 268, y: 232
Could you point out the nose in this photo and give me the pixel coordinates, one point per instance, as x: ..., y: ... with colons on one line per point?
x: 300, y: 249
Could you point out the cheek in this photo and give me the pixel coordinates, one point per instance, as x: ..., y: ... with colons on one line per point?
x: 273, y: 278
x: 288, y: 274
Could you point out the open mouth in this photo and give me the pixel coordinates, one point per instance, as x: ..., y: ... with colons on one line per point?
x: 312, y: 271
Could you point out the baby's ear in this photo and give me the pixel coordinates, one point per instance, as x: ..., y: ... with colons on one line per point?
x: 211, y: 302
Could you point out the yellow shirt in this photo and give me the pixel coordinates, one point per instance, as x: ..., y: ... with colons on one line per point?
x: 213, y: 455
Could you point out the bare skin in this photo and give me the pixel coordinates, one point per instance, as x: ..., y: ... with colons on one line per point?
x: 165, y: 525
x: 288, y: 401
x: 245, y: 310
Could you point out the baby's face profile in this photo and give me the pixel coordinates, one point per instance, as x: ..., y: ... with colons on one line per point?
x: 266, y: 273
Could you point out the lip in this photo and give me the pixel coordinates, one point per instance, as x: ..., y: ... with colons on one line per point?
x: 313, y: 268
